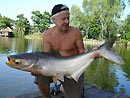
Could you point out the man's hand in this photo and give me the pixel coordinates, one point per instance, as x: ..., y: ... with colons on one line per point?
x: 96, y: 55
x: 35, y: 73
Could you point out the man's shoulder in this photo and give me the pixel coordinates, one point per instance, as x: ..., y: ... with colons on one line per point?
x: 47, y: 32
x: 74, y: 28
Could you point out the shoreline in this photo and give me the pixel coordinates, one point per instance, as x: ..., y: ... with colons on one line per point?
x: 90, y: 42
x: 93, y: 42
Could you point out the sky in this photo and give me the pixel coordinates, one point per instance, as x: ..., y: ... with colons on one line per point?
x: 12, y: 8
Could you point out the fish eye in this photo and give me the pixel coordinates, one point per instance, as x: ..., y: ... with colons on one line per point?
x: 16, y: 62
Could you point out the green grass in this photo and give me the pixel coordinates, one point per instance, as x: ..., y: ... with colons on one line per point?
x: 36, y: 35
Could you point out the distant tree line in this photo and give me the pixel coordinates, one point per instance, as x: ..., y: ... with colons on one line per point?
x: 100, y: 19
x: 41, y: 22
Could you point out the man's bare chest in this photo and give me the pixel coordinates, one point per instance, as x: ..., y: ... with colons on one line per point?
x: 62, y: 43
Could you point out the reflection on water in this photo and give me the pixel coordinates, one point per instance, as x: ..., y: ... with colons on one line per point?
x: 19, y: 45
x: 109, y: 76
x: 102, y: 73
x: 14, y: 82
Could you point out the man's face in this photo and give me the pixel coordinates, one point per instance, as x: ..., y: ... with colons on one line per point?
x: 62, y: 20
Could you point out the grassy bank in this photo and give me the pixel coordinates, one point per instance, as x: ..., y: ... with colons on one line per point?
x: 34, y: 36
x: 86, y: 41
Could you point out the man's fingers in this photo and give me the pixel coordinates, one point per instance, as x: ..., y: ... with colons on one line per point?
x: 35, y: 73
x: 96, y: 55
x: 96, y: 48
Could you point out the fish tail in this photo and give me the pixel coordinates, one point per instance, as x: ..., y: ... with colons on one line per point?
x: 106, y: 51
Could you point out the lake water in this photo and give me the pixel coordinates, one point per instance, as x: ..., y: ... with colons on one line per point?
x: 102, y: 73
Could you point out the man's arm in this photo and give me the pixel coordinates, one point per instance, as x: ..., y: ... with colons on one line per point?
x: 47, y: 46
x: 81, y: 48
x: 79, y: 42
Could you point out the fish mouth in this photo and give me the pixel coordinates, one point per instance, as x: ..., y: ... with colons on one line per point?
x: 10, y: 61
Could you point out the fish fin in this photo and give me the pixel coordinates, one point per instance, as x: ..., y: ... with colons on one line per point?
x: 75, y: 75
x: 54, y: 79
x: 75, y: 78
x: 60, y: 76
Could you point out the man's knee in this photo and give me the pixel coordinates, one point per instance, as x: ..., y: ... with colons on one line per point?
x: 45, y: 90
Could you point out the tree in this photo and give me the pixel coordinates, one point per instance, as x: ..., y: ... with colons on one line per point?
x: 127, y: 27
x: 94, y: 28
x: 41, y: 21
x: 105, y: 11
x: 5, y: 22
x: 20, y: 29
x: 22, y: 25
x: 76, y: 16
x: 124, y: 29
x: 78, y: 19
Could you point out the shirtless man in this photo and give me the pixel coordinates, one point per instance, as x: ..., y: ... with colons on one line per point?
x: 67, y: 41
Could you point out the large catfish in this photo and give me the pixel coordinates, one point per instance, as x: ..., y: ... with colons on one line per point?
x: 58, y: 67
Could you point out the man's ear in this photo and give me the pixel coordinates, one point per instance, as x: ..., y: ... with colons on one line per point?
x: 53, y: 19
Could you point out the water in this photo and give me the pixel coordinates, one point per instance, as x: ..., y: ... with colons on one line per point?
x: 14, y: 82
x: 102, y: 73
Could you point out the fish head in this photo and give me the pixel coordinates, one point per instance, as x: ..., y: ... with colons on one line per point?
x: 18, y: 63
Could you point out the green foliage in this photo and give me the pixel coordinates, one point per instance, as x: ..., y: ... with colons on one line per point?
x: 22, y: 26
x: 41, y: 21
x: 125, y: 28
x: 124, y: 41
x: 35, y: 35
x: 104, y: 12
x: 98, y: 20
x: 78, y: 19
x: 5, y: 22
x: 20, y: 29
x: 76, y: 15
x: 94, y: 28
